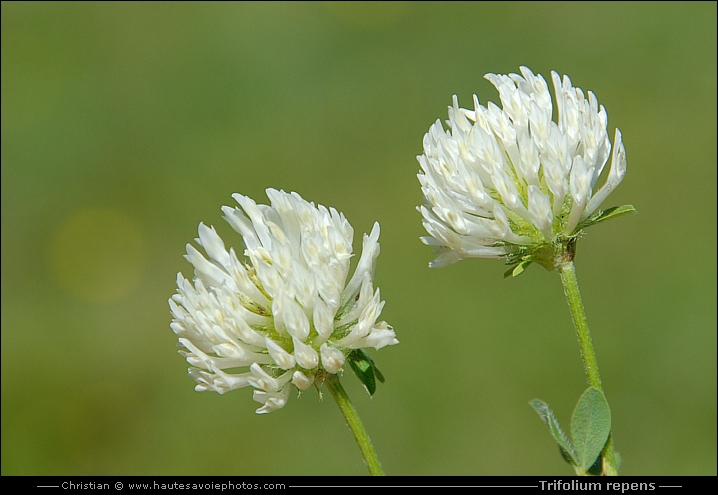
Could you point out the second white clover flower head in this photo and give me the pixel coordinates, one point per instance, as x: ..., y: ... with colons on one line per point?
x: 285, y: 315
x: 512, y: 182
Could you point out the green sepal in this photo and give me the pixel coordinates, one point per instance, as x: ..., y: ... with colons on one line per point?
x: 517, y: 270
x: 567, y: 451
x: 590, y: 428
x: 365, y: 369
x: 606, y: 214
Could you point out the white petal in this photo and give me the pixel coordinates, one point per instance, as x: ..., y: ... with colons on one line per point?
x: 615, y: 177
x: 289, y: 317
x: 271, y: 400
x: 302, y: 381
x: 323, y: 319
x: 305, y: 355
x: 367, y: 262
x: 259, y: 378
x: 281, y: 357
x: 580, y: 192
x: 332, y: 359
x: 540, y: 209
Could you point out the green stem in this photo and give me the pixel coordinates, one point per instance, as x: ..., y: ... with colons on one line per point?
x: 570, y: 286
x: 355, y: 424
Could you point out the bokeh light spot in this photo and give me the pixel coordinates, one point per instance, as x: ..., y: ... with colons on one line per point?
x: 97, y: 255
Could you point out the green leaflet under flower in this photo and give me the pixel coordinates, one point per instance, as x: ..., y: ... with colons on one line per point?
x: 365, y: 369
x: 608, y: 213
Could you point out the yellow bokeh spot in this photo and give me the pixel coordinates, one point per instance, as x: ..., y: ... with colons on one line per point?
x: 97, y: 255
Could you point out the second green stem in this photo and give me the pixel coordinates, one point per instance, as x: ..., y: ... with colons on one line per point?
x: 355, y: 424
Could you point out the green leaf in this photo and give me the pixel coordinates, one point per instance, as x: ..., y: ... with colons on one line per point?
x: 377, y: 373
x: 564, y: 446
x: 606, y: 214
x: 365, y: 369
x: 518, y: 269
x: 590, y: 426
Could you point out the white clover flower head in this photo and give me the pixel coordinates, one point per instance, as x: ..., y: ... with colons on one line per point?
x: 284, y: 316
x: 512, y: 182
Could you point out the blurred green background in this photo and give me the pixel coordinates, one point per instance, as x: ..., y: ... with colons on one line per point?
x: 126, y: 124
